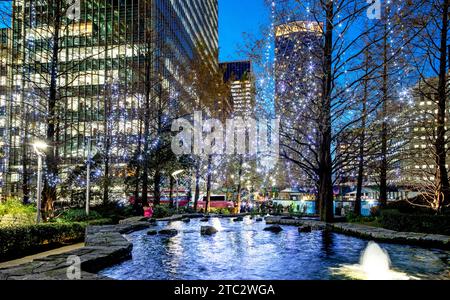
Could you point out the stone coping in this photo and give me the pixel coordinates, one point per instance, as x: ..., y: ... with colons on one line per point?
x: 372, y: 233
x: 104, y: 246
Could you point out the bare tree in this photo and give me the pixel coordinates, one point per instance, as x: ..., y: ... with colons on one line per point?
x: 431, y: 62
x: 209, y: 93
x: 320, y: 76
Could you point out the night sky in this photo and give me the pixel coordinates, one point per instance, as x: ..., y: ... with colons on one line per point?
x: 235, y: 18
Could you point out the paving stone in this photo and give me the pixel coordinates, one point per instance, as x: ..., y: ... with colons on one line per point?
x: 104, y: 246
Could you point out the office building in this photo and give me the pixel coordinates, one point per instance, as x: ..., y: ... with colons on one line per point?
x: 239, y: 76
x: 100, y: 78
x: 298, y: 59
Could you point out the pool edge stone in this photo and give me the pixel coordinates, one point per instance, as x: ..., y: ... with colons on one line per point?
x: 104, y: 246
x: 370, y: 233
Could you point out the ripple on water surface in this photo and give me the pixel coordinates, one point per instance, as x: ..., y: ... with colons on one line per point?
x: 243, y: 250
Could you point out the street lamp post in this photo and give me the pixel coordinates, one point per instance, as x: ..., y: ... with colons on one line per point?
x: 175, y: 175
x: 39, y: 190
x: 39, y: 148
x: 88, y: 177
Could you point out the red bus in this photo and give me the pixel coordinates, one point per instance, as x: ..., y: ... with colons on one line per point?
x: 217, y: 201
x: 183, y: 200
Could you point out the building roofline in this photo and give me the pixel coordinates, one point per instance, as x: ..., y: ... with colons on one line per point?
x: 236, y: 61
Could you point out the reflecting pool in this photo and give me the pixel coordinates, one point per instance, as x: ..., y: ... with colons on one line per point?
x: 243, y: 250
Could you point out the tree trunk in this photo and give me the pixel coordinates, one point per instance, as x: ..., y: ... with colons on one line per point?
x: 362, y: 141
x: 359, y: 185
x: 107, y: 145
x: 239, y: 186
x: 208, y: 185
x: 145, y: 171
x: 50, y: 181
x: 317, y: 208
x: 442, y: 181
x: 384, y: 125
x: 148, y: 86
x: 157, y: 187
x: 25, y: 176
x: 172, y: 184
x: 138, y: 170
x: 197, y: 186
x: 106, y: 176
x: 325, y: 170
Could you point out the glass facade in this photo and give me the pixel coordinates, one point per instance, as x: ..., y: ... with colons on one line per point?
x: 100, y: 76
x: 240, y: 77
x: 298, y: 90
x: 5, y: 52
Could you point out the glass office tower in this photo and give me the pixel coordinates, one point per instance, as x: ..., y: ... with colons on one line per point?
x: 5, y: 51
x: 298, y: 73
x: 240, y: 77
x: 101, y: 67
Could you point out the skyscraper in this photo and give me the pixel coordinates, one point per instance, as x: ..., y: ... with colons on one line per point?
x: 101, y: 60
x: 298, y: 58
x: 240, y: 77
x: 5, y: 51
x: 298, y: 55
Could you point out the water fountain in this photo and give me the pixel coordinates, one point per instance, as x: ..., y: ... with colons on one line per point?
x: 244, y: 251
x: 375, y: 264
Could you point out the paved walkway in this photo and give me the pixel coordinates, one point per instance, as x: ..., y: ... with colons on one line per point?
x: 104, y: 246
x: 28, y: 259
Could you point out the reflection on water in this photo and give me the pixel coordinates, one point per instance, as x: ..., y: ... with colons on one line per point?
x: 327, y: 244
x: 243, y: 250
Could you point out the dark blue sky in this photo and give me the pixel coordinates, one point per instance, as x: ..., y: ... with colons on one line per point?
x: 235, y: 18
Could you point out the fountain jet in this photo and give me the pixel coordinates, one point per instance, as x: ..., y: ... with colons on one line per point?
x: 375, y: 264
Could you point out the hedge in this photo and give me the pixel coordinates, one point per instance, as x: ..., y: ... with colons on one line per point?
x: 421, y: 223
x: 20, y: 241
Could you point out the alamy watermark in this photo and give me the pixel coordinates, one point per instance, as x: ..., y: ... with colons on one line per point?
x: 74, y: 268
x: 239, y: 136
x: 374, y: 9
x: 74, y: 10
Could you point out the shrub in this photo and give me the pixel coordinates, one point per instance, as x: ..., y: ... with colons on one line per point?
x: 423, y: 223
x: 279, y: 209
x: 353, y: 218
x: 162, y: 211
x: 79, y: 215
x: 13, y: 212
x: 20, y: 241
x: 186, y: 210
x: 221, y: 211
x: 115, y: 211
x: 99, y: 222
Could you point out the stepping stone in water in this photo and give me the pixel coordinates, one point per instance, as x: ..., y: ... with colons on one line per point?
x: 152, y: 232
x: 168, y: 232
x: 274, y: 229
x: 208, y: 230
x: 304, y: 229
x: 239, y: 219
